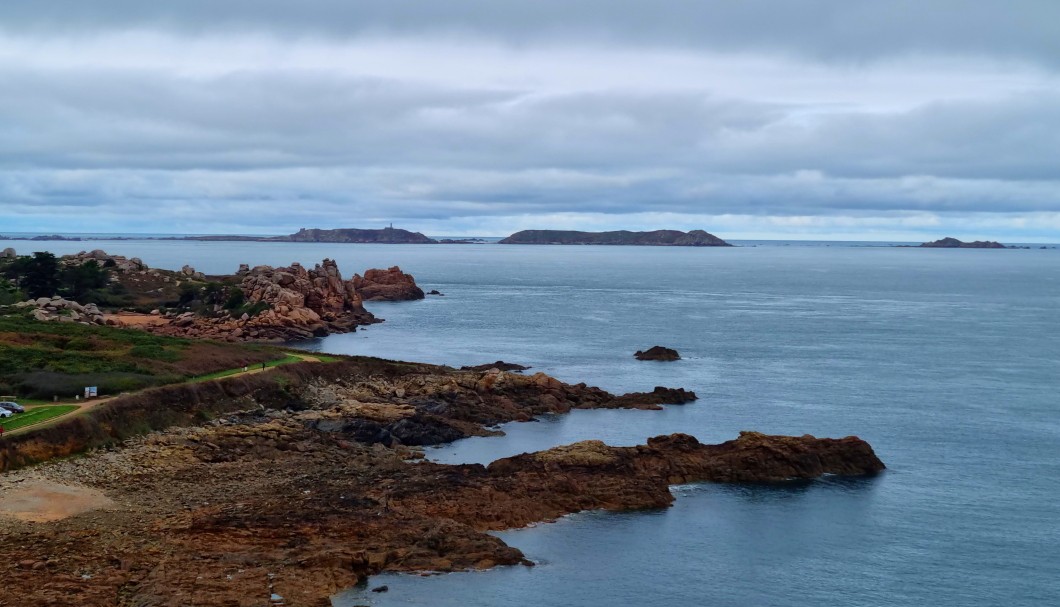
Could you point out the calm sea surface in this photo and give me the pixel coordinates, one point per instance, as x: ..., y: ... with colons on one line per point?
x: 947, y: 361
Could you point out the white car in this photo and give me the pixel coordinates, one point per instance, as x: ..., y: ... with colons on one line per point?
x: 5, y: 413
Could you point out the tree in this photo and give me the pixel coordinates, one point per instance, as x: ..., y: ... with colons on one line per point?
x: 79, y: 280
x: 38, y: 276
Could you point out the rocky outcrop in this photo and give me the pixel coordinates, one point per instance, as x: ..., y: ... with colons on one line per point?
x: 62, y: 310
x: 387, y: 285
x: 499, y: 365
x: 651, y: 400
x: 296, y: 302
x: 953, y: 243
x: 116, y: 262
x: 657, y: 353
x: 659, y: 238
x: 8, y: 253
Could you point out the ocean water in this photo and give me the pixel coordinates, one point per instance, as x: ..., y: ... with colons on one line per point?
x: 947, y: 361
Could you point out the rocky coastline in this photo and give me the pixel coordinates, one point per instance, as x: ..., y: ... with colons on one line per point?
x: 309, y: 479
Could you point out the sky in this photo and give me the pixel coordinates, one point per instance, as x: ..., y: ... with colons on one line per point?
x: 802, y: 119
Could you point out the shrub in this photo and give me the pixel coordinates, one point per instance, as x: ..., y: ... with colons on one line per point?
x: 235, y: 299
x: 81, y: 343
x: 154, y: 352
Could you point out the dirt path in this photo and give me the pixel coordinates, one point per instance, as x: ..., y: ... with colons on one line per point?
x: 86, y: 406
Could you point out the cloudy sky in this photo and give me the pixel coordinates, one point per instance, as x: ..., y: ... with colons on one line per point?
x: 844, y: 119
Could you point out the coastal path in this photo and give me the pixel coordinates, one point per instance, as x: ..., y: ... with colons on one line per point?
x: 42, y: 414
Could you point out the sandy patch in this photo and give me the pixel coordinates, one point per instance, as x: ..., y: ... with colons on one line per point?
x: 133, y: 319
x: 41, y: 501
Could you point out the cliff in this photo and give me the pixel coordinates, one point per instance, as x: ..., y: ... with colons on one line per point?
x: 658, y: 238
x: 953, y: 243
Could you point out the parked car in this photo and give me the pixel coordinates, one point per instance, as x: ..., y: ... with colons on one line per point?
x: 5, y: 413
x: 12, y: 407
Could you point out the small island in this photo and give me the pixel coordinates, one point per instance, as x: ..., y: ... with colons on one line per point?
x: 953, y: 243
x: 656, y: 238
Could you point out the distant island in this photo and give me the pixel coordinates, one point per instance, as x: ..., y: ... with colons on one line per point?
x: 953, y: 243
x: 657, y: 238
x: 42, y: 237
x: 389, y: 235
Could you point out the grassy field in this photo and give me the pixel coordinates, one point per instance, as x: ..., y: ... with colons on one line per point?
x: 40, y: 360
x: 35, y: 416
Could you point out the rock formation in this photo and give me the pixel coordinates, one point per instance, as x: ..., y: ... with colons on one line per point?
x: 499, y: 365
x: 117, y: 262
x: 953, y: 243
x: 8, y: 253
x: 387, y: 285
x: 660, y: 238
x: 657, y: 353
x: 297, y: 304
x: 62, y: 310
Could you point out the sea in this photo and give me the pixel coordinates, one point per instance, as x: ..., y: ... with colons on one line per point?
x: 946, y: 361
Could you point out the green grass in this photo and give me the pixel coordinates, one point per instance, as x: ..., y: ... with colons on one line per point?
x: 324, y: 358
x: 35, y: 416
x: 221, y: 374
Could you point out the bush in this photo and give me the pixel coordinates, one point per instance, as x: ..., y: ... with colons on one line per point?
x: 81, y: 343
x: 236, y: 299
x: 154, y: 352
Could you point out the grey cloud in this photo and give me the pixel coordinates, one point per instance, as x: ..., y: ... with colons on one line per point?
x: 280, y: 120
x: 841, y: 30
x: 301, y: 143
